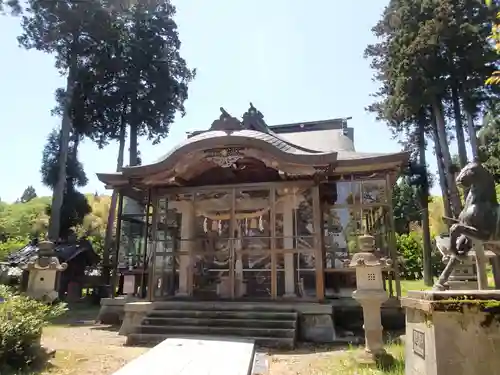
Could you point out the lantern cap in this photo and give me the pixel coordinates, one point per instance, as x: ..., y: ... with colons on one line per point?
x: 366, y: 257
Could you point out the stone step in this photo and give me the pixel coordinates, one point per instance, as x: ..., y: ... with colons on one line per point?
x: 218, y: 331
x: 223, y: 306
x: 156, y: 338
x: 225, y: 314
x: 235, y: 322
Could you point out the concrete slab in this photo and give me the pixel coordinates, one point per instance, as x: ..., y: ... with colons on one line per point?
x: 205, y: 356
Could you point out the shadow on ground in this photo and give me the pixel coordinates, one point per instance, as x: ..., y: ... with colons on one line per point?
x: 79, y: 314
x: 107, y: 328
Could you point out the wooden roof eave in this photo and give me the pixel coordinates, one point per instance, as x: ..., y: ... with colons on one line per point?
x: 112, y: 180
x: 229, y: 141
x: 379, y: 162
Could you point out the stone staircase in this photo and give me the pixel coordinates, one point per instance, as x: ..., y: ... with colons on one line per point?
x: 270, y: 325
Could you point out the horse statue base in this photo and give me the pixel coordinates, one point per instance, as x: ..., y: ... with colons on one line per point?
x: 477, y: 255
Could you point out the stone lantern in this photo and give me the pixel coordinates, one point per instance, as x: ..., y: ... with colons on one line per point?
x: 370, y: 294
x: 43, y: 273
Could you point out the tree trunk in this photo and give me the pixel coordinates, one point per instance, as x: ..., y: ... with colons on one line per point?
x: 58, y: 193
x: 112, y: 207
x: 133, y: 161
x: 456, y: 204
x: 424, y: 205
x: 439, y: 162
x: 133, y: 146
x: 459, y: 129
x: 472, y: 135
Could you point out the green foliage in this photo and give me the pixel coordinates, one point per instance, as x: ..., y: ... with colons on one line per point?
x: 136, y: 78
x: 411, y: 256
x: 28, y: 194
x: 21, y: 322
x: 406, y: 206
x: 19, y: 222
x: 75, y: 175
x: 74, y: 206
x: 489, y: 137
x: 23, y: 219
x: 12, y: 244
x: 13, y: 7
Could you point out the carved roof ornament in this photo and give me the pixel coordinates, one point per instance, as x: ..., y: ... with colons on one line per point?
x: 224, y: 157
x: 226, y: 122
x: 252, y: 111
x: 366, y: 256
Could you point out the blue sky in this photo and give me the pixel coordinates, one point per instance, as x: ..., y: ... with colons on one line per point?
x: 294, y: 62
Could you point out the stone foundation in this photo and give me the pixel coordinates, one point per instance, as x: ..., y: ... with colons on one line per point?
x: 316, y: 328
x: 134, y: 313
x: 112, y: 310
x: 452, y: 332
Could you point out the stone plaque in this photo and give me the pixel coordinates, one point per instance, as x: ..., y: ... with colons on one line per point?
x: 129, y: 284
x: 419, y: 343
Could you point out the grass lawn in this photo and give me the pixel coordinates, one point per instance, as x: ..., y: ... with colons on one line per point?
x: 407, y: 285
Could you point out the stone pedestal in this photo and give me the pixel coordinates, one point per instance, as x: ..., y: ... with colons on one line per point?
x: 452, y: 332
x: 465, y: 274
x: 463, y: 277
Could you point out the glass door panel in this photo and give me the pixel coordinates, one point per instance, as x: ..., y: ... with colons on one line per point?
x: 212, y: 255
x: 164, y: 245
x: 252, y: 244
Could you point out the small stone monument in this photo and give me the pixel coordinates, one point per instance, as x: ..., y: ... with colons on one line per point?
x: 43, y: 273
x: 370, y: 294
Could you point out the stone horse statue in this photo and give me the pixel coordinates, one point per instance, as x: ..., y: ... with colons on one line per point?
x: 479, y: 220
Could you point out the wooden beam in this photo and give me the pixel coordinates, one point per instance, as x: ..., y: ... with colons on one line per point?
x: 274, y: 263
x: 318, y: 244
x: 117, y: 245
x: 152, y: 260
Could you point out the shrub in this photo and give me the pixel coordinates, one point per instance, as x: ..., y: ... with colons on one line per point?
x: 11, y: 245
x: 410, y: 251
x: 21, y: 322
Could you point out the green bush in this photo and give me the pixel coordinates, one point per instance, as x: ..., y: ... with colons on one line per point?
x: 11, y: 245
x: 410, y: 251
x: 21, y: 322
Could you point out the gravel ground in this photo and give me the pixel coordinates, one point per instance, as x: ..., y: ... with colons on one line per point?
x: 85, y: 348
x: 98, y: 350
x: 88, y: 350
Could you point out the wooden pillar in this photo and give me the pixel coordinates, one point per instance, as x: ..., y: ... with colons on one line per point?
x: 274, y: 271
x: 392, y: 243
x: 318, y: 244
x: 187, y: 235
x: 289, y: 242
x: 144, y: 278
x: 152, y: 245
x: 117, y: 245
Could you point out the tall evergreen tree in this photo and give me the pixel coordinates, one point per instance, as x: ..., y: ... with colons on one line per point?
x: 71, y: 30
x: 427, y: 51
x: 133, y: 83
x: 75, y: 206
x: 28, y: 194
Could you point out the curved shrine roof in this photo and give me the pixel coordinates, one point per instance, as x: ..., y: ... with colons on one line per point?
x: 288, y: 145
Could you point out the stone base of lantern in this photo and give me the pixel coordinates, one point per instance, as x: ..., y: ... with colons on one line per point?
x: 371, y: 302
